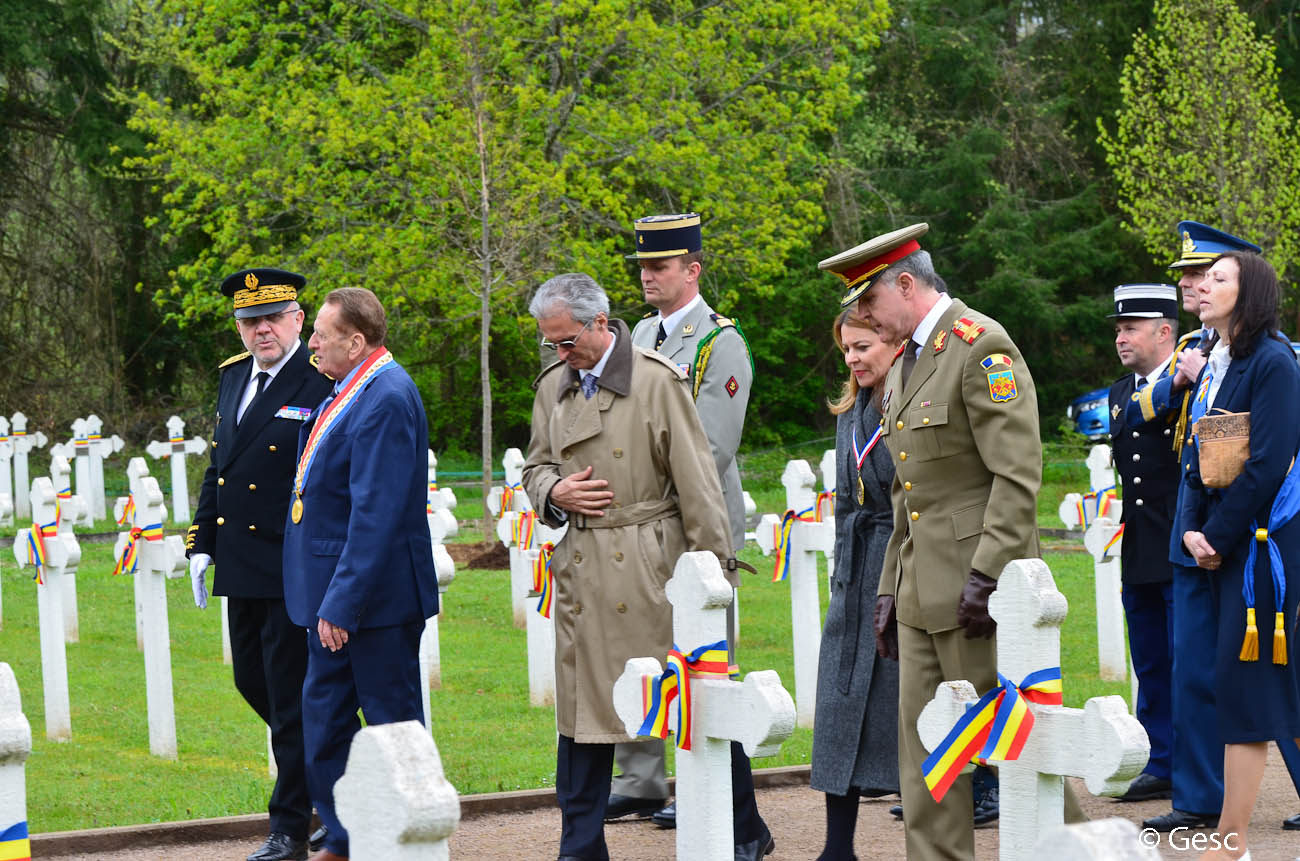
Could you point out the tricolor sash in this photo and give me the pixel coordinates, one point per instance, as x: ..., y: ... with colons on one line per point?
x: 994, y: 729
x: 674, y: 683
x: 374, y: 365
x: 781, y: 539
x: 544, y: 579
x: 15, y: 845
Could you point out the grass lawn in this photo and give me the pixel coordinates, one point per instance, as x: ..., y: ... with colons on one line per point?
x: 490, y: 739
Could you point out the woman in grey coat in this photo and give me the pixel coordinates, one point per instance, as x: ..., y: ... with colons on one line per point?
x: 855, y: 741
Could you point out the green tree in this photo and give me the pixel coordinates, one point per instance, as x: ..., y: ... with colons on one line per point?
x: 1203, y: 134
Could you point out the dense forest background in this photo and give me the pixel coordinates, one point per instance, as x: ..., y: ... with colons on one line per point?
x: 450, y: 155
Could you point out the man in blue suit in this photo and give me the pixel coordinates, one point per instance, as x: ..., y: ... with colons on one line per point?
x: 358, y: 562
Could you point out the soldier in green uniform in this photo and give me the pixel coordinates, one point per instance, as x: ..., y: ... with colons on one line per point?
x: 713, y: 353
x: 961, y: 423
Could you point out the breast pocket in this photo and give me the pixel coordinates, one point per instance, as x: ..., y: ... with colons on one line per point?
x: 926, y: 425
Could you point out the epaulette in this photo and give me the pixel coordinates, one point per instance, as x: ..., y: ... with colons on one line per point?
x: 723, y: 322
x: 314, y: 361
x: 968, y: 330
x: 901, y: 348
x: 1195, y: 333
x: 665, y: 361
x: 537, y: 380
x: 233, y: 359
x: 648, y: 314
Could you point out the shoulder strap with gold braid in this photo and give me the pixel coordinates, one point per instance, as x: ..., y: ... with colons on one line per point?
x: 1180, y: 431
x: 705, y: 350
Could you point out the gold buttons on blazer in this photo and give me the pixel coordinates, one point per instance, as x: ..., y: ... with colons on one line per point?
x: 221, y: 521
x: 252, y: 487
x: 925, y: 421
x: 221, y: 482
x: 622, y: 608
x: 916, y: 515
x: 898, y: 425
x: 252, y: 528
x: 902, y: 455
x: 618, y: 452
x: 214, y: 443
x: 907, y: 485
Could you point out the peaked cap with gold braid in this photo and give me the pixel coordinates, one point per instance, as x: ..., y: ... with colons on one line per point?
x: 258, y: 292
x: 861, y: 266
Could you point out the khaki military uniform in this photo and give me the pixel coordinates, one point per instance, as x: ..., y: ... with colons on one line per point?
x: 963, y: 435
x: 639, y: 432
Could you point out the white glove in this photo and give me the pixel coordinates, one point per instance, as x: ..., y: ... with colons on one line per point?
x: 199, y: 563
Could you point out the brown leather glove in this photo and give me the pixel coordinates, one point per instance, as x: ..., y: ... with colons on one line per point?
x: 886, y: 624
x: 973, y: 608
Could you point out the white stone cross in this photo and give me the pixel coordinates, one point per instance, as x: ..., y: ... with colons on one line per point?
x: 807, y: 539
x: 136, y: 472
x: 1104, y: 540
x: 439, y: 497
x: 1112, y: 839
x: 176, y: 447
x: 77, y: 451
x: 15, y: 746
x: 157, y: 558
x: 1102, y: 742
x: 23, y: 443
x: 758, y: 712
x: 100, y: 448
x: 49, y: 608
x: 826, y: 505
x: 442, y: 525
x: 517, y: 538
x: 6, y: 476
x: 540, y: 632
x: 513, y: 463
x: 393, y: 798
x: 71, y: 510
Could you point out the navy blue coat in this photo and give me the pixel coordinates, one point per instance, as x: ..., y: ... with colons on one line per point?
x: 1256, y: 700
x: 361, y: 556
x: 1148, y: 470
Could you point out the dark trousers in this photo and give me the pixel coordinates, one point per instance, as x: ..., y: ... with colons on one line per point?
x: 582, y: 774
x: 269, y: 655
x: 1198, y: 749
x: 1149, y: 609
x: 378, y: 673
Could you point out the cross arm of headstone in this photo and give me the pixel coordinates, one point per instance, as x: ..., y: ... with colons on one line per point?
x: 442, y: 525
x: 505, y: 527
x: 158, y: 448
x: 1103, y: 539
x: 15, y: 731
x: 394, y: 797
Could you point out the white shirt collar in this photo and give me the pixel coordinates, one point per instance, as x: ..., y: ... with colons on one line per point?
x: 927, y: 324
x: 1155, y: 375
x: 670, y: 322
x: 600, y: 366
x: 274, y: 369
x: 1217, y: 366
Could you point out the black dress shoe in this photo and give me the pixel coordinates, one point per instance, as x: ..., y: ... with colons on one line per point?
x: 621, y: 806
x: 1181, y: 819
x: 1146, y: 787
x: 897, y: 812
x: 316, y: 841
x: 666, y: 818
x: 1291, y: 823
x: 280, y: 847
x: 986, y: 809
x: 756, y: 850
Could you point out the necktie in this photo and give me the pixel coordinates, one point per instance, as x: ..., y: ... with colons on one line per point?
x: 909, y: 362
x: 663, y: 336
x: 262, y: 377
x: 1142, y: 383
x: 589, y: 386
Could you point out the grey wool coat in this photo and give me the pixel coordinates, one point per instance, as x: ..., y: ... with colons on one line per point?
x: 855, y: 741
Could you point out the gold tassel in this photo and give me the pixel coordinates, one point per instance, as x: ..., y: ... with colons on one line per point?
x: 1250, y: 645
x: 1279, y: 639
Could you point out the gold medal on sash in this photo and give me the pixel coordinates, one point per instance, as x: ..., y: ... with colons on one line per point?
x: 296, y: 511
x: 862, y: 492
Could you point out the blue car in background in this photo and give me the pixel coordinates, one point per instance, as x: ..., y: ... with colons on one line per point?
x: 1090, y: 411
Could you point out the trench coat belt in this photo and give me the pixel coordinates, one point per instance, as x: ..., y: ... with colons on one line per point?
x: 627, y: 515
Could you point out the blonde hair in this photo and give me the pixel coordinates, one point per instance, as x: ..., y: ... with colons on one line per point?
x: 849, y: 390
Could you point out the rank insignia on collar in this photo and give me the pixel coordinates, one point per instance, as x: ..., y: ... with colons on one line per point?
x: 1114, y: 412
x: 967, y: 330
x: 901, y: 348
x: 732, y: 387
x: 884, y: 404
x: 940, y: 340
x: 687, y: 329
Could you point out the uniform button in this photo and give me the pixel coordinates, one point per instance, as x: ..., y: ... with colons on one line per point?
x: 221, y: 482
x: 1166, y: 431
x: 577, y: 557
x: 925, y: 421
x: 1135, y: 434
x: 907, y: 485
x: 214, y: 443
x: 1137, y: 502
x: 252, y: 528
x: 1136, y: 457
x: 270, y: 448
x: 899, y: 425
x: 622, y: 608
x: 916, y: 515
x: 902, y: 455
x: 252, y: 487
x: 566, y: 454
x: 1187, y: 468
x: 618, y: 452
x: 618, y: 557
x: 221, y: 521
x: 1137, y: 479
x: 577, y: 608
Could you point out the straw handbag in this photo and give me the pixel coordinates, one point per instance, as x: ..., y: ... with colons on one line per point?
x: 1224, y: 442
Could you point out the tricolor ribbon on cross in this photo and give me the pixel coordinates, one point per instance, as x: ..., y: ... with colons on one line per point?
x: 825, y: 506
x: 994, y: 729
x: 128, y: 511
x: 674, y: 683
x: 126, y: 563
x: 543, y: 579
x: 1114, y: 539
x: 521, y: 531
x: 15, y: 844
x: 1101, y: 499
x: 428, y: 499
x: 508, y: 496
x: 781, y: 539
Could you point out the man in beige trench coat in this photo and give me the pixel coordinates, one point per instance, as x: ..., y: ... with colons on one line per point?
x: 618, y: 453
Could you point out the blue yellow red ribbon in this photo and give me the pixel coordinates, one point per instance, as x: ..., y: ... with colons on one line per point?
x: 521, y: 531
x: 994, y: 729
x: 781, y: 538
x: 674, y: 683
x: 1114, y: 539
x: 15, y: 844
x: 543, y: 579
x: 508, y: 496
x: 128, y: 511
x: 825, y: 505
x: 1286, y: 504
x: 36, y: 552
x: 127, y: 562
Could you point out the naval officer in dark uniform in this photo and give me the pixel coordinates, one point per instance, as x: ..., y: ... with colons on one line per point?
x: 1146, y: 328
x: 264, y: 397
